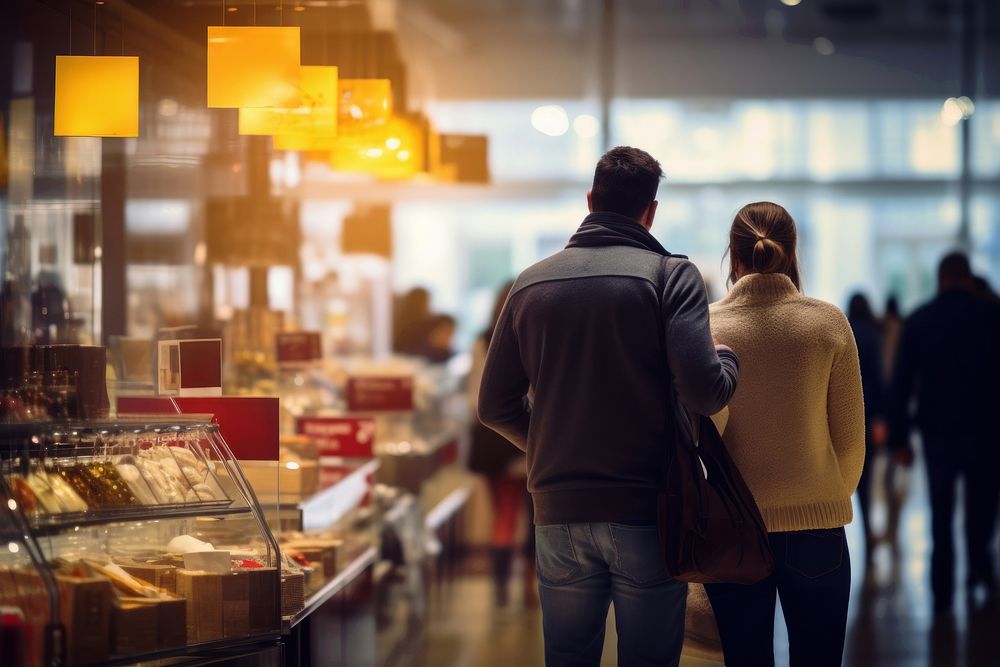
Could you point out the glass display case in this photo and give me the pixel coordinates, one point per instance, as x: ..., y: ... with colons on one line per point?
x: 132, y: 541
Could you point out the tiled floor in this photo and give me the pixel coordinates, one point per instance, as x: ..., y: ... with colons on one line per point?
x: 890, y: 623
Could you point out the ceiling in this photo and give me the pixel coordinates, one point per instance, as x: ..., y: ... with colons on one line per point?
x: 531, y: 49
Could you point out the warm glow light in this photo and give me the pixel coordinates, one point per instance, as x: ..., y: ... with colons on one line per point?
x: 97, y: 96
x: 956, y: 109
x: 315, y: 115
x: 966, y: 105
x: 253, y: 66
x: 791, y: 3
x: 13, y: 547
x: 371, y: 152
x: 586, y: 126
x: 363, y: 103
x: 550, y: 119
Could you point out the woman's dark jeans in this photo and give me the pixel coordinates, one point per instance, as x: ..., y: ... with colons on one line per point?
x: 812, y: 576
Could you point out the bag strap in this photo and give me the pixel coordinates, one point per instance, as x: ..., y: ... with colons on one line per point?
x: 683, y: 418
x: 684, y: 427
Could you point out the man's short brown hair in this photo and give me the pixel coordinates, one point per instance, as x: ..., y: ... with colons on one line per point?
x: 625, y: 181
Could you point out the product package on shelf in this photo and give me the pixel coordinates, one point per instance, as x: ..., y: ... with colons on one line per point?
x: 85, y: 611
x: 203, y: 594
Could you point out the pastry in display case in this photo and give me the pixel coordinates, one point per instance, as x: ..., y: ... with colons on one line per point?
x: 140, y: 540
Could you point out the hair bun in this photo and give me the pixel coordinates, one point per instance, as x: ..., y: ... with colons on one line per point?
x: 768, y: 256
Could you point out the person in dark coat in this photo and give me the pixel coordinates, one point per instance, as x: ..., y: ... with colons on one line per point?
x: 868, y: 336
x: 949, y: 360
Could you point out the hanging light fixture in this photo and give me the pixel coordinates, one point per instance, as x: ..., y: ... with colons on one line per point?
x: 97, y: 96
x: 316, y: 114
x: 251, y: 66
x: 392, y: 150
x: 363, y: 103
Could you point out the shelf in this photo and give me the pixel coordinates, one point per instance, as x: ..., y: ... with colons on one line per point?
x: 447, y: 508
x: 334, y: 586
x: 130, y: 423
x: 201, y: 649
x: 325, y: 508
x: 55, y: 523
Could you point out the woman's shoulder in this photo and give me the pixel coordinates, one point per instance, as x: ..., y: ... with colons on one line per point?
x: 825, y: 317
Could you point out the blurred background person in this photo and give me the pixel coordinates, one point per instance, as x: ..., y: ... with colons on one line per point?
x: 868, y: 337
x: 504, y: 467
x: 949, y: 360
x: 438, y: 332
x: 895, y: 479
x: 409, y: 324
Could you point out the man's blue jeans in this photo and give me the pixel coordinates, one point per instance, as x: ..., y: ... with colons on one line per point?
x: 584, y: 567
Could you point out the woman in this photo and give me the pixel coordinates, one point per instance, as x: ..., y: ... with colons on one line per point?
x: 796, y: 432
x: 505, y: 470
x: 868, y: 338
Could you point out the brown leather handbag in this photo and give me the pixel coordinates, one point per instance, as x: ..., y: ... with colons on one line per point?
x: 709, y: 525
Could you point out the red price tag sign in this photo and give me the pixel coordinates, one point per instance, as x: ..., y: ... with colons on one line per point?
x: 350, y: 437
x: 298, y: 347
x: 376, y: 394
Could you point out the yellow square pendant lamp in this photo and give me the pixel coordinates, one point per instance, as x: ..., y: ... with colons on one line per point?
x: 97, y: 96
x: 393, y: 150
x: 363, y: 103
x: 316, y: 114
x: 250, y: 66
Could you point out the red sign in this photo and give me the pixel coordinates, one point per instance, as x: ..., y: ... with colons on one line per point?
x: 298, y: 347
x: 350, y: 437
x: 249, y: 425
x: 376, y: 394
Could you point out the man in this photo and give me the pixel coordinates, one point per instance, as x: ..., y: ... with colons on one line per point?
x: 949, y: 358
x: 583, y: 364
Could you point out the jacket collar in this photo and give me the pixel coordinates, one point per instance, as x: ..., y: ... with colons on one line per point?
x: 611, y: 229
x: 761, y: 288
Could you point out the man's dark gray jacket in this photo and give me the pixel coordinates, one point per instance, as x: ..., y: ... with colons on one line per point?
x: 588, y: 351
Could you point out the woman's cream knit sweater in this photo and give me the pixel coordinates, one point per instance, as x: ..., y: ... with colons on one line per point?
x: 796, y: 426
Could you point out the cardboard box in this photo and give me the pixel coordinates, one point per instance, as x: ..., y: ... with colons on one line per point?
x: 292, y: 593
x: 268, y: 478
x: 169, y: 626
x: 327, y: 553
x: 85, y: 610
x: 203, y: 594
x: 161, y: 576
x: 133, y: 627
x: 264, y: 612
x: 236, y: 604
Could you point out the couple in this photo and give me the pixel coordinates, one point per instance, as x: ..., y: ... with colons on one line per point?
x: 579, y: 376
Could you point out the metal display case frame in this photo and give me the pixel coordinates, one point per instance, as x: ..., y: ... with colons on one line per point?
x: 26, y: 441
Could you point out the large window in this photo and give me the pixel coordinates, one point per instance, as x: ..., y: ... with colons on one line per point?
x: 872, y: 185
